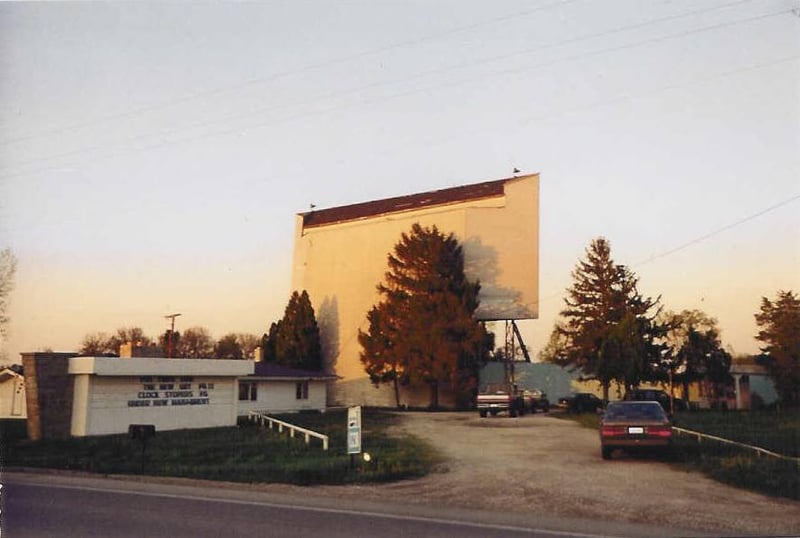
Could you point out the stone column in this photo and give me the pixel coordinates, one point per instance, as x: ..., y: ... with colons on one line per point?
x: 48, y: 391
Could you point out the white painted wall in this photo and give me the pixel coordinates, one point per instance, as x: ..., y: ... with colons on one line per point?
x: 103, y: 405
x: 112, y: 393
x: 278, y: 396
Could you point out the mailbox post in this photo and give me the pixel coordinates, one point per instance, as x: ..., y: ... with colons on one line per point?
x: 143, y: 432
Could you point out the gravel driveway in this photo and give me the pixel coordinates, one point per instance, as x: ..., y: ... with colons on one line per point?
x: 543, y: 465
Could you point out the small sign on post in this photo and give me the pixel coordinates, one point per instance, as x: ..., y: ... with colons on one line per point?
x: 354, y: 430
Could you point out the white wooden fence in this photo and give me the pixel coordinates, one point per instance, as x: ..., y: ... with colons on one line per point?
x: 758, y: 450
x: 271, y: 423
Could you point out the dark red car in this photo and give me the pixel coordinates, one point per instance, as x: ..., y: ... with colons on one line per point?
x: 634, y: 425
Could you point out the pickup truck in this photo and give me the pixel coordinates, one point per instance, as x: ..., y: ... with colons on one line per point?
x: 496, y: 398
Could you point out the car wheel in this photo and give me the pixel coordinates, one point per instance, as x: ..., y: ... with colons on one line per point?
x: 482, y: 413
x: 606, y: 452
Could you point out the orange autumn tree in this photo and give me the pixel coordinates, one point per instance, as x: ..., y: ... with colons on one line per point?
x: 423, y: 331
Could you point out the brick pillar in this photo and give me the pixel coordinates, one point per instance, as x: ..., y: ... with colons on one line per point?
x: 49, y: 390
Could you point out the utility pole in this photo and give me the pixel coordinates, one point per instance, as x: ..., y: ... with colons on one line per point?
x: 171, y: 332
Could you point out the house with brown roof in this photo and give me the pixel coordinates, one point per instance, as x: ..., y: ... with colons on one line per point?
x: 274, y: 388
x: 340, y: 256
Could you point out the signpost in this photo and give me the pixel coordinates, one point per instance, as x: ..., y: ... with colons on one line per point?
x: 353, y: 432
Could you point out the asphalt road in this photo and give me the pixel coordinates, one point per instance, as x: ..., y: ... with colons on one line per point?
x: 44, y: 506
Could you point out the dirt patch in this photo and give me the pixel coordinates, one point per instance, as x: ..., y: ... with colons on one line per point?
x: 543, y: 465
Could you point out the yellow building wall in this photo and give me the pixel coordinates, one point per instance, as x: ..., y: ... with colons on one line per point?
x: 616, y: 391
x: 501, y: 250
x: 341, y: 264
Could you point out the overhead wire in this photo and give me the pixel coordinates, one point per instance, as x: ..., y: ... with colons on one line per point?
x: 285, y: 74
x: 699, y: 239
x: 415, y: 91
x: 718, y: 231
x: 626, y: 97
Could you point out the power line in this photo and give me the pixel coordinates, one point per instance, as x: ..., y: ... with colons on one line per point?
x: 698, y: 239
x: 601, y: 103
x: 718, y: 231
x: 620, y: 99
x: 607, y: 101
x: 284, y: 74
x: 611, y: 101
x: 410, y: 92
x: 428, y: 73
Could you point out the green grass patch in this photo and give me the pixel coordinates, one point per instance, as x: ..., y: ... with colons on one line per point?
x: 778, y: 432
x: 737, y: 466
x: 246, y: 453
x: 12, y: 429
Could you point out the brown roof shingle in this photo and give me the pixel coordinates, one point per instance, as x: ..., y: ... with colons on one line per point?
x: 476, y: 191
x: 272, y: 370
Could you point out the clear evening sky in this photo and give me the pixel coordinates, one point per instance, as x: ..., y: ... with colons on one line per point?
x: 153, y: 155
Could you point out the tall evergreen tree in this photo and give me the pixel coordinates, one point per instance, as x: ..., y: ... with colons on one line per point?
x: 424, y: 332
x: 268, y: 342
x: 608, y: 331
x: 380, y: 358
x: 295, y: 340
x: 779, y: 324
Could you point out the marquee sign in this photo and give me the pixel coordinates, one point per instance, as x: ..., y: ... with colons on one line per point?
x: 168, y: 391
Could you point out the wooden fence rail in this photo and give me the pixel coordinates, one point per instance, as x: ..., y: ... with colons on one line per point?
x: 758, y: 450
x: 270, y: 422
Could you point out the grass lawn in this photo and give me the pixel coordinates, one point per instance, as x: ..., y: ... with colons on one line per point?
x: 778, y: 432
x: 245, y: 453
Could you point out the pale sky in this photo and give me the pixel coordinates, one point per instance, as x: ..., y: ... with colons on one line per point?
x: 153, y: 155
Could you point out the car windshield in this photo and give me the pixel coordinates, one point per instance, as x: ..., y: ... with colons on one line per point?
x: 644, y: 410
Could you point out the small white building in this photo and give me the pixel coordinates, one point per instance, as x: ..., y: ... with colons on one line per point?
x: 279, y: 389
x: 112, y: 393
x: 12, y: 394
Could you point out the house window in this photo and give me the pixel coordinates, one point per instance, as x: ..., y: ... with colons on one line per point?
x: 248, y: 391
x: 301, y: 390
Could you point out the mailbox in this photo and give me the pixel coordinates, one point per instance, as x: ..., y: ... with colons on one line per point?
x: 142, y: 431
